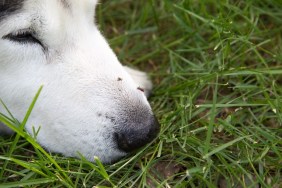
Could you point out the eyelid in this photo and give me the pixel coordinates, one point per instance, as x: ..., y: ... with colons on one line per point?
x: 22, y: 31
x: 31, y: 37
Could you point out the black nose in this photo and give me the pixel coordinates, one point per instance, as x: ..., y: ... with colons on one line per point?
x: 134, y: 137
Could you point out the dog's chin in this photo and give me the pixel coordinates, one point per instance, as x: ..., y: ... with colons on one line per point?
x: 110, y: 157
x: 116, y: 157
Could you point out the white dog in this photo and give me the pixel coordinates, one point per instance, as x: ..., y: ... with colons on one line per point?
x: 90, y: 103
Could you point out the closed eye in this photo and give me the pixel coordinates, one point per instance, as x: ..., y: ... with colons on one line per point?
x: 23, y: 37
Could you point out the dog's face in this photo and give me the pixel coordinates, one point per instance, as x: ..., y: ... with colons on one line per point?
x: 89, y: 103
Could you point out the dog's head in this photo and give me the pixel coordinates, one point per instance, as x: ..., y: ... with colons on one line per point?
x: 89, y: 104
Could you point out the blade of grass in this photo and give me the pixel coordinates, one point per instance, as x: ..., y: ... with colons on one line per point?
x: 222, y: 147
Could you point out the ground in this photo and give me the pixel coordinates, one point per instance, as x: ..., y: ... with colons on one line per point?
x: 217, y: 71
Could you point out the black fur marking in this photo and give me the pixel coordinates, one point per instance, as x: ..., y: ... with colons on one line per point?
x: 65, y: 4
x: 8, y: 7
x: 141, y: 89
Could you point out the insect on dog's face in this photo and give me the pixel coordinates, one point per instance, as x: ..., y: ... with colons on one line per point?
x: 89, y: 104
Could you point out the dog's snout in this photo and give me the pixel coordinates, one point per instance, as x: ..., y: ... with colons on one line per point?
x: 131, y: 138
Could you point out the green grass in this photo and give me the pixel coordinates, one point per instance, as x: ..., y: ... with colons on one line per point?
x: 217, y: 70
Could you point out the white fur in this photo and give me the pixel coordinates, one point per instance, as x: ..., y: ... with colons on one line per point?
x: 82, y: 77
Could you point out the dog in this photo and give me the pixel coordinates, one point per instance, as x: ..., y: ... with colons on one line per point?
x: 91, y: 104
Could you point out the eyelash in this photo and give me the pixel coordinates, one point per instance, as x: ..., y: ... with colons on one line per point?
x: 23, y: 37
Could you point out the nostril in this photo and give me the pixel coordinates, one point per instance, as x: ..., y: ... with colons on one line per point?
x: 155, y: 129
x: 121, y: 141
x: 134, y: 138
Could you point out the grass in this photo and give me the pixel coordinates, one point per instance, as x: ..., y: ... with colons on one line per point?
x: 217, y: 70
